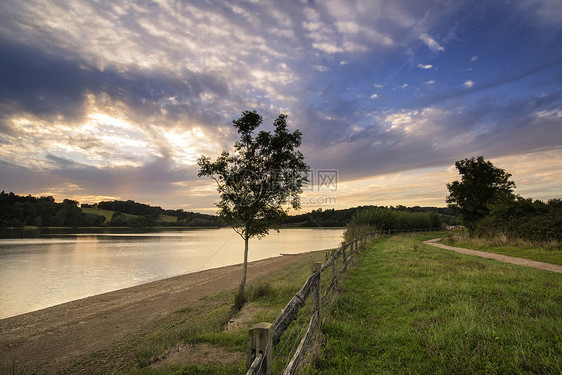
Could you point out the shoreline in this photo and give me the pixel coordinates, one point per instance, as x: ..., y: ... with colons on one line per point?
x: 143, y: 285
x: 47, y: 340
x: 150, y: 282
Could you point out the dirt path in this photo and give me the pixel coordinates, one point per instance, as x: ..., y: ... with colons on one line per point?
x: 48, y: 340
x: 498, y: 257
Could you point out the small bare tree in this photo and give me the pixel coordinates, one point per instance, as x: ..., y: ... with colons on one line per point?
x: 259, y: 181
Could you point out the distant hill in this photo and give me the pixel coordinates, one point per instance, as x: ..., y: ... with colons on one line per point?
x: 131, y: 213
x: 19, y: 211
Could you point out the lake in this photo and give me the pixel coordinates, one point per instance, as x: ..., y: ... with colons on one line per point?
x: 39, y: 269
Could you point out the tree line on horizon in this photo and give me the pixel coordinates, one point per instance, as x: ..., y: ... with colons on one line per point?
x: 152, y: 213
x: 342, y: 217
x: 18, y: 211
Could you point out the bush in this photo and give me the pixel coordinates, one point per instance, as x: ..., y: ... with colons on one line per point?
x: 381, y: 218
x: 260, y: 290
x: 239, y: 301
x: 525, y: 219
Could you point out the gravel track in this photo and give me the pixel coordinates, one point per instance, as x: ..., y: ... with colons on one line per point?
x: 498, y: 257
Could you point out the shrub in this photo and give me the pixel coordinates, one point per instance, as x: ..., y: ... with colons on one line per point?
x: 525, y: 219
x: 381, y: 218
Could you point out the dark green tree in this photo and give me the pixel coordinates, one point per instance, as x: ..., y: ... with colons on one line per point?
x: 259, y: 181
x: 119, y: 219
x: 481, y: 185
x: 71, y: 202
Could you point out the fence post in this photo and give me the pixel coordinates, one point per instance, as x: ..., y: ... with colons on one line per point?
x: 344, y: 258
x: 260, y: 342
x: 317, y: 268
x: 335, y: 269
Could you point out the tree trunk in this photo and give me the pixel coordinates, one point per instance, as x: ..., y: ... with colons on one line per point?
x: 245, y: 267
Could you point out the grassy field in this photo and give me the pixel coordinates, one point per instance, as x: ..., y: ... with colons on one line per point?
x: 167, y: 219
x: 404, y: 308
x: 266, y: 299
x: 410, y: 308
x: 549, y: 253
x: 108, y: 213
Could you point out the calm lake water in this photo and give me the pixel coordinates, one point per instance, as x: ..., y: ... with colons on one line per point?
x: 42, y: 269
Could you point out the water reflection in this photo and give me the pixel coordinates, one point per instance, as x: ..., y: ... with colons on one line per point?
x: 43, y: 268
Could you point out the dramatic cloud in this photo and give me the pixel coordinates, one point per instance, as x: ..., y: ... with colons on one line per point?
x: 118, y: 99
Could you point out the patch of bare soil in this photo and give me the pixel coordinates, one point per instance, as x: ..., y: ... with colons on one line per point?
x: 203, y: 354
x: 243, y: 319
x: 50, y: 340
x: 498, y: 257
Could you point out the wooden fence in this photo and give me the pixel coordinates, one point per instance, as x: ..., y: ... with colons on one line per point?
x: 263, y: 337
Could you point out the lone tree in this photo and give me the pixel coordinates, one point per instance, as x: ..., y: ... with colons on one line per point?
x: 481, y: 185
x: 259, y: 181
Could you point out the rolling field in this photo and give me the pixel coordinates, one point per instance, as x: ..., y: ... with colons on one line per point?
x: 408, y: 308
x: 108, y: 213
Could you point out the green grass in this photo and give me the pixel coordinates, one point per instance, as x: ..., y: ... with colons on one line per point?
x: 266, y: 297
x: 411, y: 308
x: 549, y: 253
x: 404, y: 308
x: 106, y: 213
x: 197, y: 370
x: 109, y: 213
x: 185, y: 331
x: 206, y: 324
x: 167, y: 219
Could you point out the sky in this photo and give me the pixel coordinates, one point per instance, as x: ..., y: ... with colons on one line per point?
x: 103, y: 100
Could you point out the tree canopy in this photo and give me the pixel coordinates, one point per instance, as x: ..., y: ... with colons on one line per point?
x: 524, y: 218
x: 260, y: 180
x: 262, y: 176
x: 481, y: 185
x: 18, y: 211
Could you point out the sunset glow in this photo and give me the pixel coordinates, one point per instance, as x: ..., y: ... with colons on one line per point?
x: 117, y: 100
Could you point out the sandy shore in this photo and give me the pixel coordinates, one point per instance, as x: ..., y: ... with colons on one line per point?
x: 48, y: 340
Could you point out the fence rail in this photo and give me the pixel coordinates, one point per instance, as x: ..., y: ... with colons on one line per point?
x: 263, y: 337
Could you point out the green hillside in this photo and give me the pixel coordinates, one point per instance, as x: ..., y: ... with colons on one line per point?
x: 106, y: 213
x: 167, y: 219
x: 109, y: 213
